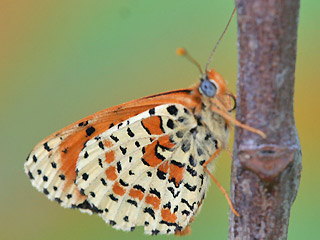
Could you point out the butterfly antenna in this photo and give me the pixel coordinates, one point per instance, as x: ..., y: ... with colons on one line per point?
x: 183, y: 52
x: 215, y: 47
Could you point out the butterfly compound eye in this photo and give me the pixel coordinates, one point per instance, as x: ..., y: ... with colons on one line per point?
x: 207, y: 88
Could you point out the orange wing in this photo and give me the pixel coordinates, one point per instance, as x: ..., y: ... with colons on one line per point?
x: 51, y: 165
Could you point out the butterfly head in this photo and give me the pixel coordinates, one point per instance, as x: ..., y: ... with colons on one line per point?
x: 212, y: 84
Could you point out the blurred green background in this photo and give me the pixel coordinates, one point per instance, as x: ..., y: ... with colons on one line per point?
x: 63, y: 60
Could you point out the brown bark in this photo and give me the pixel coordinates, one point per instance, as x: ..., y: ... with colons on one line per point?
x: 265, y: 172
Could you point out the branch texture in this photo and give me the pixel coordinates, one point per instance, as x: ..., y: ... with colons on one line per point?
x: 265, y: 172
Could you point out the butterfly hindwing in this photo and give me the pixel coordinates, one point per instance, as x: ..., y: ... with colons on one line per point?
x: 142, y: 171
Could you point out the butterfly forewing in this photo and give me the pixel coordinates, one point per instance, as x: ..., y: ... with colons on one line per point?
x: 51, y: 164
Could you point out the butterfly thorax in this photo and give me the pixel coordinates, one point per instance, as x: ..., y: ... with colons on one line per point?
x: 214, y: 124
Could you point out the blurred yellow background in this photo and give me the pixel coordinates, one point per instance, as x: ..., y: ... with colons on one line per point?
x: 63, y: 60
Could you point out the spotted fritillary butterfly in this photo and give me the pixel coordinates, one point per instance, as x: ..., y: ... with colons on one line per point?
x: 142, y: 163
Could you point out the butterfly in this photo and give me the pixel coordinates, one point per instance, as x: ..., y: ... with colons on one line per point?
x: 142, y: 163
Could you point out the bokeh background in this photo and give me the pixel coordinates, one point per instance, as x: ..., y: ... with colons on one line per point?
x: 63, y: 60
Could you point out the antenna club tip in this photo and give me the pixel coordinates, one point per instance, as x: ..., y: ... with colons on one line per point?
x: 181, y: 51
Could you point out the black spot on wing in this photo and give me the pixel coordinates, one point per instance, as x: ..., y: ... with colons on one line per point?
x: 167, y: 205
x: 123, y: 183
x: 101, y: 145
x: 62, y: 177
x: 152, y: 111
x: 199, y: 151
x: 113, y: 198
x: 90, y: 130
x: 85, y: 176
x: 185, y: 212
x: 46, y: 147
x: 155, y: 192
x: 192, y: 172
x: 192, y: 161
x: 174, y: 181
x: 170, y: 124
x: 30, y: 175
x: 185, y: 147
x: 112, y: 223
x: 170, y: 224
x: 103, y: 181
x: 132, y: 202
x: 85, y: 123
x: 45, y: 191
x: 191, y: 206
x: 114, y: 138
x: 149, y: 211
x: 155, y: 232
x: 172, y: 109
x: 82, y: 192
x: 123, y: 150
x: 190, y: 188
x: 119, y: 168
x: 215, y: 143
x: 178, y: 164
x: 161, y: 175
x: 145, y: 162
x: 130, y: 133
x: 158, y: 155
x: 179, y: 134
x: 171, y: 189
x: 139, y: 187
x: 54, y: 165
x: 207, y: 137
x: 88, y: 206
x: 181, y: 119
x: 100, y: 162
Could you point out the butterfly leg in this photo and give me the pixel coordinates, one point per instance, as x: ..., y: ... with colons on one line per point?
x: 224, y: 192
x: 213, y: 156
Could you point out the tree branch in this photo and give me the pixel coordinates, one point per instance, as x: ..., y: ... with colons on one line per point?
x: 265, y: 172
